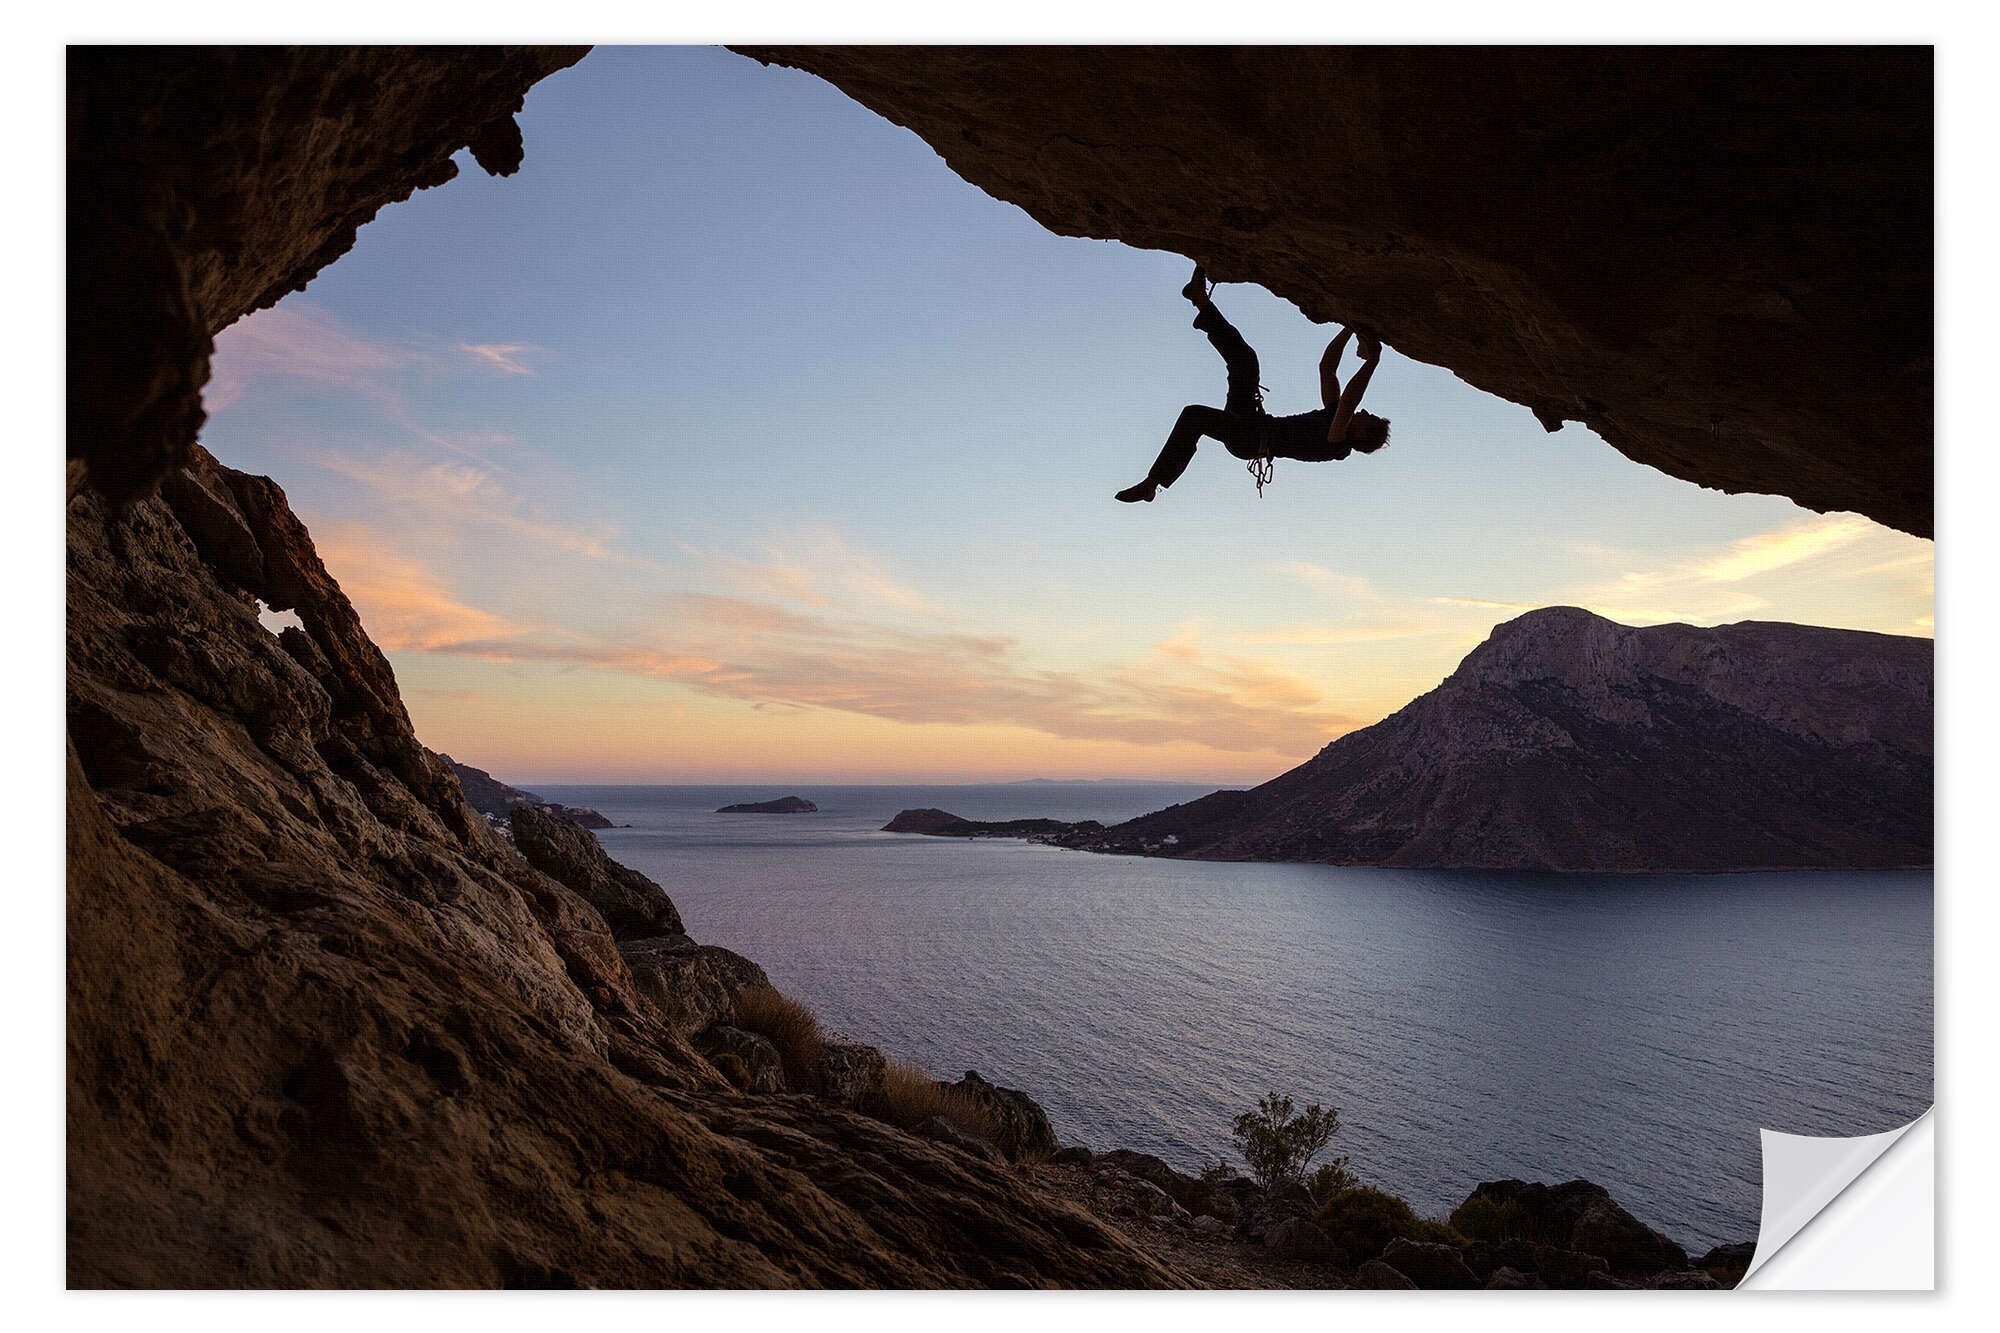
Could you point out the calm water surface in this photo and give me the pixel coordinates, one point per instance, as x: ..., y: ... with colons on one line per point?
x: 1633, y: 1030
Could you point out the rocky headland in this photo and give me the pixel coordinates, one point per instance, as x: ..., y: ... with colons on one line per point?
x: 1568, y: 742
x: 784, y: 805
x: 498, y: 801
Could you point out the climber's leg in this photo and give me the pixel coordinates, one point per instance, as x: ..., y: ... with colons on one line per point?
x: 1237, y: 432
x: 1237, y: 355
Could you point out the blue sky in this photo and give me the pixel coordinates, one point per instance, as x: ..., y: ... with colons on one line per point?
x: 737, y: 438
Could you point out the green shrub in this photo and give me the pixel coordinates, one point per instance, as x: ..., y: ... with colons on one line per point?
x: 1363, y: 1221
x: 1329, y: 1179
x: 1483, y: 1217
x: 1279, y: 1144
x: 730, y: 1065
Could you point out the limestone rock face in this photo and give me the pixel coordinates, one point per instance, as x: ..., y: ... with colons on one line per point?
x: 633, y: 905
x: 690, y: 985
x: 1568, y: 742
x: 326, y: 1029
x: 850, y: 1073
x: 1717, y: 258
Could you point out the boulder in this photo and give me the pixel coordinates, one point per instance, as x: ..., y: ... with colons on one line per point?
x: 1123, y: 1195
x: 764, y: 1069
x: 632, y: 905
x: 1575, y: 1215
x: 1563, y: 1269
x: 1023, y: 1127
x: 689, y: 985
x: 1629, y: 1245
x: 1507, y: 1279
x: 1209, y: 1225
x: 851, y: 1073
x: 1299, y: 1238
x: 1378, y: 1276
x: 1184, y: 1190
x: 1071, y: 1156
x: 1431, y: 1266
x: 939, y: 1130
x: 1737, y: 1255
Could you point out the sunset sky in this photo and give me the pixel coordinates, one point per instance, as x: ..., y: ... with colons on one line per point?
x: 737, y: 439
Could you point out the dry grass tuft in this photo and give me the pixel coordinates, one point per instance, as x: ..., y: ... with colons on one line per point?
x: 908, y: 1097
x: 789, y: 1026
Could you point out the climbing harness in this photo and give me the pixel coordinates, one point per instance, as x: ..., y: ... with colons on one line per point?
x: 1260, y: 472
x: 1265, y: 464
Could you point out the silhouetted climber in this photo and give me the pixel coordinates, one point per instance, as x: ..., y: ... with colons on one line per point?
x: 1242, y: 425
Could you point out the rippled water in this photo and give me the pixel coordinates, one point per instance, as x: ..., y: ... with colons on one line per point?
x: 1470, y: 1026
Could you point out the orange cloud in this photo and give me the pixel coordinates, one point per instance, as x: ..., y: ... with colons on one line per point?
x: 405, y: 607
x: 768, y: 655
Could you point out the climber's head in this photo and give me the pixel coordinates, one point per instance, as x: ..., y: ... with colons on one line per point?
x: 1367, y: 432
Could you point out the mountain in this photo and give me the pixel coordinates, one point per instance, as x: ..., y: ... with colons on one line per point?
x: 1568, y: 742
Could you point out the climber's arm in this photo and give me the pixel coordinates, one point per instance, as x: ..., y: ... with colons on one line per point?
x: 1370, y: 350
x: 1329, y: 368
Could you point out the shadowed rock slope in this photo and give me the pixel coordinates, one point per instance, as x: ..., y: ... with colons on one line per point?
x: 326, y: 1029
x: 1567, y: 742
x: 1717, y: 258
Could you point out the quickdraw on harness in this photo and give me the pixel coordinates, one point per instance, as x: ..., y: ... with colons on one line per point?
x: 1265, y: 464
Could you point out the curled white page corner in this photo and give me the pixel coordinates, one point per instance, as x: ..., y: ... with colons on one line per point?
x: 1833, y: 1219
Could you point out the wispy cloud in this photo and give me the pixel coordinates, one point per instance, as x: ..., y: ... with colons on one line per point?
x: 1786, y: 566
x: 300, y: 343
x: 503, y: 356
x: 1322, y: 579
x: 468, y: 493
x: 1766, y: 551
x: 844, y: 657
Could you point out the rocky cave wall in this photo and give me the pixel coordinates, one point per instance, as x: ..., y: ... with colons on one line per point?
x: 1719, y: 259
x: 323, y: 1027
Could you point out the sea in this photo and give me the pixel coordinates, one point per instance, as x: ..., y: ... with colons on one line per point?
x: 1633, y: 1030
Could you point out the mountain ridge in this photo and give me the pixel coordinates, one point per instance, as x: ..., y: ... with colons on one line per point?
x: 1566, y: 741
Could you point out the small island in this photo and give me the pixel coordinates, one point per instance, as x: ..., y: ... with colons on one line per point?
x: 784, y: 805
